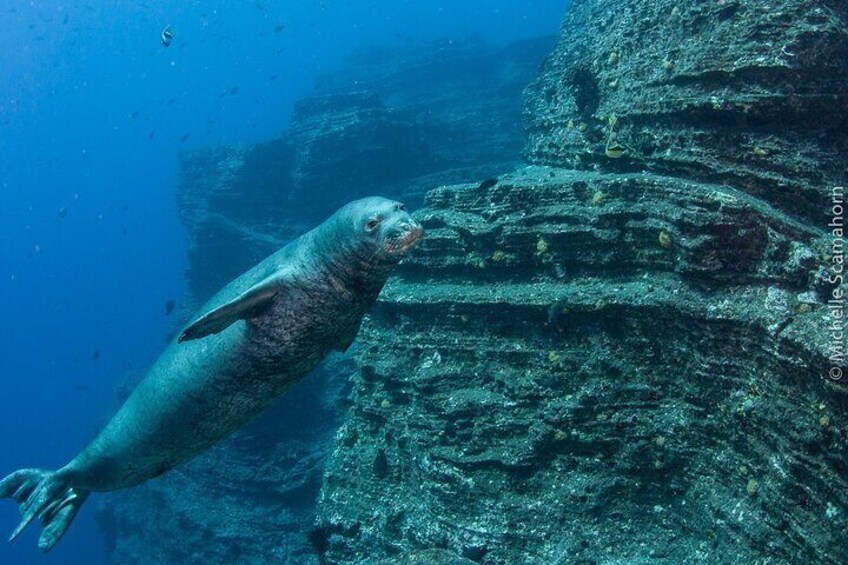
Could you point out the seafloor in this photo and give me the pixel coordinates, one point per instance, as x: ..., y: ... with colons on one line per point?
x: 616, y: 354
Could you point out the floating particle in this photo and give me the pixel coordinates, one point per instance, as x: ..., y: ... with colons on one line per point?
x: 167, y: 36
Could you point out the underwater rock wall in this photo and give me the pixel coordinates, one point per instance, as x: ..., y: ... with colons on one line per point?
x: 746, y: 93
x: 620, y: 355
x: 561, y: 374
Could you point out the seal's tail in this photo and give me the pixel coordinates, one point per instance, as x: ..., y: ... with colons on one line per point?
x: 46, y: 495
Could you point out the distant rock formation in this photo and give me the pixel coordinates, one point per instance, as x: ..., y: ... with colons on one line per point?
x: 620, y: 354
x: 393, y: 122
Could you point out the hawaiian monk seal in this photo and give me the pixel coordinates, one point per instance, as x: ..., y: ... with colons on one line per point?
x: 262, y: 333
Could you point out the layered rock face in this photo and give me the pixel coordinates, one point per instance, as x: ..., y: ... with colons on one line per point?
x: 750, y: 94
x: 594, y: 368
x: 621, y: 355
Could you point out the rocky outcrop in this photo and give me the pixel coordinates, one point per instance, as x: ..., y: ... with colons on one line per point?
x: 749, y: 94
x: 595, y: 368
x: 621, y: 355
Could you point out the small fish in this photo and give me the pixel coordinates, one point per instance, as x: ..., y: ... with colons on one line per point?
x: 169, y: 307
x: 81, y: 388
x: 487, y: 184
x: 278, y: 28
x: 133, y: 115
x: 167, y: 36
x: 234, y: 90
x: 151, y: 135
x: 96, y: 355
x: 184, y: 138
x: 65, y: 20
x: 273, y: 77
x: 63, y: 212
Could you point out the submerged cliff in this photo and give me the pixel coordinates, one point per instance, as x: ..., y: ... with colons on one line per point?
x: 618, y: 354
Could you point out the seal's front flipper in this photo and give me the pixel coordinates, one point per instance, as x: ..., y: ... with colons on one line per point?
x: 45, y: 495
x: 247, y: 305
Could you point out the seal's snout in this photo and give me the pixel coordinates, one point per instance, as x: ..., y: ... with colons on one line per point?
x: 407, y: 234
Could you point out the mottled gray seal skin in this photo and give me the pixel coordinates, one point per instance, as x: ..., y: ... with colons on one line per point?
x: 262, y: 333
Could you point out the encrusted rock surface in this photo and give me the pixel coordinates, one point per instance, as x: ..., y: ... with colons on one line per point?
x: 750, y: 93
x: 623, y: 359
x: 595, y: 368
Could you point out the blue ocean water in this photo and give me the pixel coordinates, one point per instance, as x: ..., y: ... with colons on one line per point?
x: 93, y: 113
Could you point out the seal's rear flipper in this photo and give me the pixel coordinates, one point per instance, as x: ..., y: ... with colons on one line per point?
x: 43, y: 494
x: 247, y: 305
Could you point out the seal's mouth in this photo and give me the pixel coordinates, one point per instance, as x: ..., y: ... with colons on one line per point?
x: 402, y: 243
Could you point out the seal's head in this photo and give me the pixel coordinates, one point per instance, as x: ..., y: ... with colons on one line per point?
x: 376, y: 230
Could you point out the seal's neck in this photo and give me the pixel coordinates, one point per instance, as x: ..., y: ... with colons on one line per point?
x: 355, y: 268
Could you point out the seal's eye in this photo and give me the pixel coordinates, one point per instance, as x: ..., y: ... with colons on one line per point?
x: 371, y: 224
x: 400, y: 207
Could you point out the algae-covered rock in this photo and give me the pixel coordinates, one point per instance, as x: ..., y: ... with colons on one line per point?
x: 651, y: 382
x: 746, y: 93
x: 594, y: 403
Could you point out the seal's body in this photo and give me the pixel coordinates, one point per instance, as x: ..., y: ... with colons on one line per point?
x: 258, y: 336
